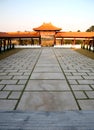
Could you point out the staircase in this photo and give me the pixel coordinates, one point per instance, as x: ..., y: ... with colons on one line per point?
x: 66, y: 120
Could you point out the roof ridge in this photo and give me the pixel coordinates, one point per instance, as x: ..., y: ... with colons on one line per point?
x: 47, y: 26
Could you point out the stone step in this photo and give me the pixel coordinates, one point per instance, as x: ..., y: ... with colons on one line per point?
x: 65, y: 120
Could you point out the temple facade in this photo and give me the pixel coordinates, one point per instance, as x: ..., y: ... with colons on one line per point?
x: 47, y: 31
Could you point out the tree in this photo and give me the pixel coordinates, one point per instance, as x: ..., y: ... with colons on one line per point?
x: 91, y: 29
x: 78, y: 31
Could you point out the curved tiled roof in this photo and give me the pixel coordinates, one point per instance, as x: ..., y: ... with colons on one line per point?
x: 36, y: 34
x: 19, y: 34
x: 47, y: 27
x: 75, y: 34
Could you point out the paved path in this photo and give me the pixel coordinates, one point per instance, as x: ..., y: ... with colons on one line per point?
x: 47, y: 79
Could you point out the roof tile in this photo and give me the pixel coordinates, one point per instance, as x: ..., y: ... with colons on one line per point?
x: 47, y: 26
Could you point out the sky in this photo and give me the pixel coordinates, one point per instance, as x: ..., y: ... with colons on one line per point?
x: 24, y: 15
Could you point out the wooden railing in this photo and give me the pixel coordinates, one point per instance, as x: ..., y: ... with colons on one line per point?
x: 89, y: 45
x: 6, y: 45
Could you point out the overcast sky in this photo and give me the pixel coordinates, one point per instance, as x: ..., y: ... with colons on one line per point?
x: 70, y: 15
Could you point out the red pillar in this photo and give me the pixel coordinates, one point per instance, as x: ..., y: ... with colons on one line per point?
x: 93, y: 44
x: 62, y: 41
x: 20, y: 41
x: 40, y: 40
x: 90, y: 43
x: 0, y: 45
x: 87, y: 43
x: 74, y: 41
x: 32, y: 41
x: 54, y: 40
x: 4, y: 44
x: 10, y: 43
x: 7, y: 44
x: 83, y: 46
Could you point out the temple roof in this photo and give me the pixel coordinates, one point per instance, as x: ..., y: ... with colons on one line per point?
x: 19, y: 34
x: 47, y: 27
x: 75, y: 34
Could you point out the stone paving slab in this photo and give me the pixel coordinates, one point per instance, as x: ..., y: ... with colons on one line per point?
x: 81, y: 87
x: 8, y: 82
x: 4, y: 94
x: 90, y: 94
x: 47, y: 85
x: 47, y: 76
x: 80, y: 95
x: 47, y: 65
x: 7, y: 104
x: 14, y: 87
x: 47, y: 101
x: 14, y: 95
x: 85, y: 81
x: 48, y: 69
x: 1, y: 87
x: 86, y: 104
x: 47, y: 79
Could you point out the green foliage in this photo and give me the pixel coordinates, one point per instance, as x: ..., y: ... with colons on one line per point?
x: 79, y: 42
x: 36, y: 41
x: 78, y: 31
x: 91, y: 29
x: 68, y: 41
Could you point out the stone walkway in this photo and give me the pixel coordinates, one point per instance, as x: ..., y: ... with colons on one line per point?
x: 47, y: 79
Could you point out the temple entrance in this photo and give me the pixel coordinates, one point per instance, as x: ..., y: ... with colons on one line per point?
x: 47, y: 40
x: 47, y: 32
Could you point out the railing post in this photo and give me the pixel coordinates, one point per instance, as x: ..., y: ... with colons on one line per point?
x: 87, y: 45
x: 8, y: 44
x: 83, y: 44
x: 4, y: 41
x: 54, y: 40
x: 93, y: 44
x: 0, y: 45
x: 90, y: 45
x: 12, y: 46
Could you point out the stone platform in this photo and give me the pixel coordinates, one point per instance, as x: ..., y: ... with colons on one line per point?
x: 66, y: 120
x: 47, y: 89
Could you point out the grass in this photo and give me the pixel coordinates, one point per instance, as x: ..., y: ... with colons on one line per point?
x: 85, y: 52
x: 8, y: 53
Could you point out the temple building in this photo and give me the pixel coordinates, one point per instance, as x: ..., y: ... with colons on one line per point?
x: 46, y: 35
x: 47, y: 31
